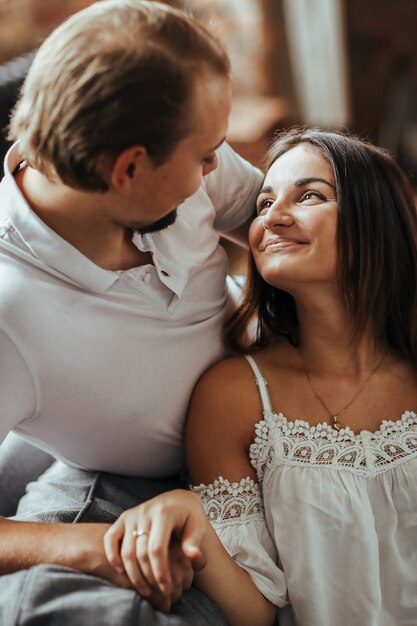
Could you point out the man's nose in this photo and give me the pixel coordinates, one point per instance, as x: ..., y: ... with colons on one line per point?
x: 210, y: 166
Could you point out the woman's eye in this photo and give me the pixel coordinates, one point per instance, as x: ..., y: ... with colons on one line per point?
x: 264, y: 205
x: 312, y: 194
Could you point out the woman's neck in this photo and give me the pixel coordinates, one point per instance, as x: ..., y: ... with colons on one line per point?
x: 325, y: 337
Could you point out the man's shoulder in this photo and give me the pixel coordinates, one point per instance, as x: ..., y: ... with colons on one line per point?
x: 233, y: 188
x: 231, y: 163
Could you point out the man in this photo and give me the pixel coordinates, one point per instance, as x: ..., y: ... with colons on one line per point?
x: 112, y: 294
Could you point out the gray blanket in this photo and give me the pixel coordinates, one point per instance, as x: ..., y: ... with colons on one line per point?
x: 48, y: 595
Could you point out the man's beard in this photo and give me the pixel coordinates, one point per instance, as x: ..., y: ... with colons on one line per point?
x: 160, y: 224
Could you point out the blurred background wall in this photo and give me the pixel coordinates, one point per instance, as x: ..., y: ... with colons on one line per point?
x: 332, y: 63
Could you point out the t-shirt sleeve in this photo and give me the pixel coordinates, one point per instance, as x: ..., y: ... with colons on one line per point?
x: 232, y: 187
x: 236, y: 513
x: 17, y: 389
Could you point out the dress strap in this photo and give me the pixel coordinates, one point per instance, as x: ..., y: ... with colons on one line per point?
x: 262, y: 385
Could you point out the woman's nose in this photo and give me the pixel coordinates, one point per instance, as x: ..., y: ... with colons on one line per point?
x: 278, y: 215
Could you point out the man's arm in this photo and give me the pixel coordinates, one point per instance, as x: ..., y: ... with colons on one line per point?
x: 233, y: 188
x: 18, y: 399
x: 239, y: 235
x: 24, y: 544
x: 80, y: 546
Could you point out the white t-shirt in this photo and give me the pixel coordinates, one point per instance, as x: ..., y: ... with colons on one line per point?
x: 97, y: 366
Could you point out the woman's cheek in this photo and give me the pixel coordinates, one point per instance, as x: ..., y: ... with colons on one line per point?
x: 256, y: 231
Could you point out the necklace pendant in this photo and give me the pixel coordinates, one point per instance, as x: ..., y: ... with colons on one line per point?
x: 336, y: 424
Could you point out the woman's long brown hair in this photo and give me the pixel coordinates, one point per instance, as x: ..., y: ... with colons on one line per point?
x: 377, y: 250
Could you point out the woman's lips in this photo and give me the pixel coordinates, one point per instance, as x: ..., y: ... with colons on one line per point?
x: 279, y: 244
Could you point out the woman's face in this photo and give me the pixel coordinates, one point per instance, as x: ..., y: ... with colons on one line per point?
x: 293, y: 237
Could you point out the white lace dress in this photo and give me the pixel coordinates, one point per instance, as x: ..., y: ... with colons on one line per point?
x: 329, y: 532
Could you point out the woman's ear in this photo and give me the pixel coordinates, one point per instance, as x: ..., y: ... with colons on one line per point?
x: 125, y: 167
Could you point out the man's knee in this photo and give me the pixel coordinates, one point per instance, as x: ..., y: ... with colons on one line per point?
x: 50, y: 595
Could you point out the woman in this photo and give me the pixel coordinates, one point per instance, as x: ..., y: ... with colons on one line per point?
x: 306, y: 451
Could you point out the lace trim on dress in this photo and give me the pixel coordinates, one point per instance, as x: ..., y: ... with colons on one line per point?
x: 280, y: 441
x: 227, y: 503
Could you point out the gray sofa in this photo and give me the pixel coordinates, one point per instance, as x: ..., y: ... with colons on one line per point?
x: 20, y: 462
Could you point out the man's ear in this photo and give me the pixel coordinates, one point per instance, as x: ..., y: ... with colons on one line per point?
x: 125, y: 168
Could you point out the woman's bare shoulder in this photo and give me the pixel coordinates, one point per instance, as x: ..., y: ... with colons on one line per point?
x: 232, y: 369
x: 224, y: 409
x: 225, y: 388
x: 231, y: 382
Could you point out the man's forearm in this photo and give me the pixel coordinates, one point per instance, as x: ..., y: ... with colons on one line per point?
x: 24, y: 544
x: 240, y: 234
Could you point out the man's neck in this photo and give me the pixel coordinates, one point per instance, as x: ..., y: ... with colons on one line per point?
x: 82, y: 219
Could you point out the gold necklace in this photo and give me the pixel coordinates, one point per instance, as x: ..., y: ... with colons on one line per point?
x: 335, y: 416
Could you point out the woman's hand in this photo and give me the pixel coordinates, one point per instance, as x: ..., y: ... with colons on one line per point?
x: 160, y: 560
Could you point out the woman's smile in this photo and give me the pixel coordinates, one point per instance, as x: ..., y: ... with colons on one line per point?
x: 276, y: 244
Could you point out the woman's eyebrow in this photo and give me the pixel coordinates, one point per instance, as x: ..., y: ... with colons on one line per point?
x: 306, y: 181
x: 266, y: 189
x: 300, y: 182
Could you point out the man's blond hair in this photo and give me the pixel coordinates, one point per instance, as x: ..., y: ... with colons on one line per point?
x: 117, y: 74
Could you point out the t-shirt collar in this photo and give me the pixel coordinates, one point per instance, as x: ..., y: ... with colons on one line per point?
x: 44, y: 243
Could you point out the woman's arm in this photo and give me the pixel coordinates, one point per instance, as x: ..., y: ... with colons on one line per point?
x: 231, y: 587
x: 220, y: 428
x: 180, y: 514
